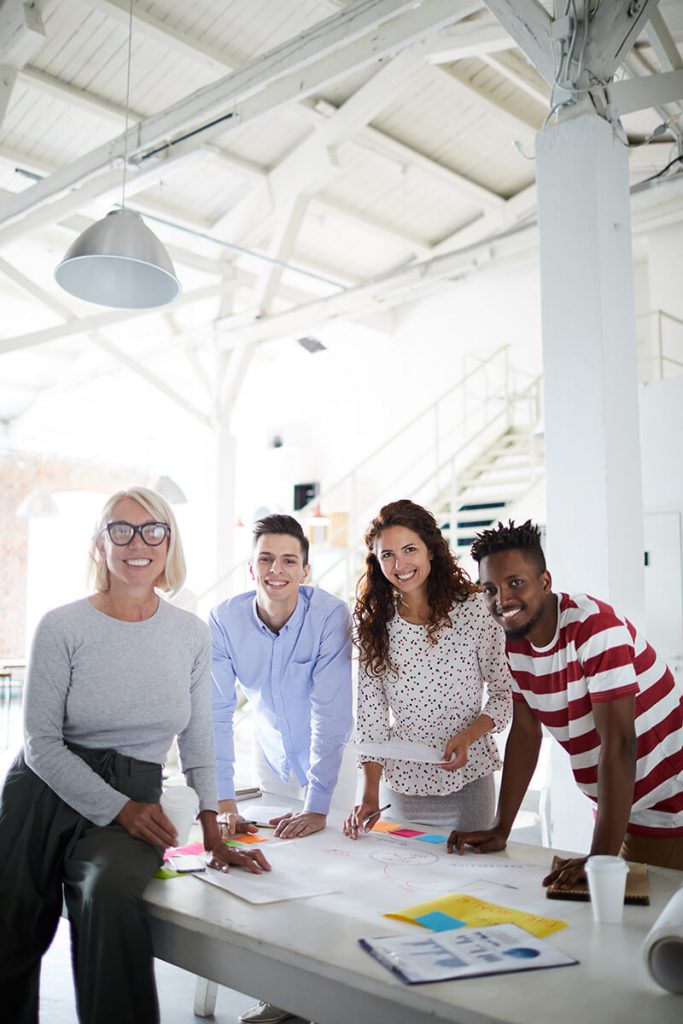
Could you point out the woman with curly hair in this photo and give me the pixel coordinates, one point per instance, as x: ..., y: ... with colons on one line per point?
x: 428, y: 652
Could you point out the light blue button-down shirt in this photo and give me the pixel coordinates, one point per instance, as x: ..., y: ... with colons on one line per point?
x: 298, y: 682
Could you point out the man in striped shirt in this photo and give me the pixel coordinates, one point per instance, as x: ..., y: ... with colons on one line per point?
x: 582, y: 670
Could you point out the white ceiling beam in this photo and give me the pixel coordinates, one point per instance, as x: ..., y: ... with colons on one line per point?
x: 22, y: 34
x: 470, y: 40
x: 376, y: 141
x: 81, y: 99
x: 281, y: 248
x: 327, y: 207
x: 633, y: 94
x: 663, y: 43
x: 529, y: 24
x: 97, y: 321
x: 8, y: 78
x: 614, y: 29
x: 359, y: 36
x: 68, y: 317
x: 147, y: 25
x: 516, y: 70
x: 311, y: 164
x: 516, y: 122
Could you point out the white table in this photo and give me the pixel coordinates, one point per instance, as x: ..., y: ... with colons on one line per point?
x: 304, y: 954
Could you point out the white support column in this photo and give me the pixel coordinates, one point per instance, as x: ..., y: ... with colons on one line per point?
x: 225, y: 510
x: 595, y: 503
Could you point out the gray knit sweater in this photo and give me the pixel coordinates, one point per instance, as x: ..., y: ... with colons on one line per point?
x: 103, y: 683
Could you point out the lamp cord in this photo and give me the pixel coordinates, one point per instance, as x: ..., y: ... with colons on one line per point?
x: 125, y: 135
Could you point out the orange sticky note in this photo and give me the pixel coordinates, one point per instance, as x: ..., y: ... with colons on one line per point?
x: 249, y: 837
x: 386, y: 826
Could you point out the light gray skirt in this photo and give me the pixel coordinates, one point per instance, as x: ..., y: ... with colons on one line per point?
x: 470, y: 809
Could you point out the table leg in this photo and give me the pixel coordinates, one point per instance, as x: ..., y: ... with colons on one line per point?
x: 205, y: 993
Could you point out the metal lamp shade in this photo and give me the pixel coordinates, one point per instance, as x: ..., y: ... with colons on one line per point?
x: 119, y: 262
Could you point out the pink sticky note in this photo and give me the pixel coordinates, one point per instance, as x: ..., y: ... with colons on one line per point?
x: 195, y: 848
x: 409, y: 833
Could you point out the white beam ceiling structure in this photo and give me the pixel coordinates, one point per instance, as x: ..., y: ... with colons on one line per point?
x: 338, y: 162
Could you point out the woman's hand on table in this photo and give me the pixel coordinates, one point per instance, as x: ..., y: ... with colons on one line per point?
x: 568, y: 873
x: 294, y: 826
x: 222, y: 857
x: 457, y: 751
x: 148, y: 822
x: 362, y: 818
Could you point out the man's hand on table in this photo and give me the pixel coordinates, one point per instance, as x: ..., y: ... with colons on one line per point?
x: 303, y: 823
x: 489, y: 840
x: 567, y: 873
x: 234, y: 824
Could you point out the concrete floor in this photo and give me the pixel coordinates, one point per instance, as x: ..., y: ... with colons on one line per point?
x: 175, y: 986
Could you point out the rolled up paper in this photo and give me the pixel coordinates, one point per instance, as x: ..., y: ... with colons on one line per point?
x: 663, y: 946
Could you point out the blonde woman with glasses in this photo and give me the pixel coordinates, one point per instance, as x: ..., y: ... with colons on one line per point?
x: 112, y: 679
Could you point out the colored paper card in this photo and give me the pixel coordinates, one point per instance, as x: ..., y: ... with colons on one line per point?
x: 477, y: 913
x: 437, y: 921
x: 408, y: 833
x: 248, y: 837
x: 385, y: 826
x: 165, y: 873
x: 431, y: 838
x: 194, y: 848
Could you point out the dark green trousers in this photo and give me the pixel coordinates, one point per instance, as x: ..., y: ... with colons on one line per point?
x: 49, y: 854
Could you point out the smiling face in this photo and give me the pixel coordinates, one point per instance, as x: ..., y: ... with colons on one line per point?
x: 519, y: 596
x: 404, y: 558
x: 134, y: 564
x: 277, y: 567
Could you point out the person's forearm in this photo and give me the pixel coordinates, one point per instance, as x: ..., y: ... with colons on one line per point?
x: 616, y: 777
x: 521, y: 755
x: 479, y: 727
x: 372, y: 772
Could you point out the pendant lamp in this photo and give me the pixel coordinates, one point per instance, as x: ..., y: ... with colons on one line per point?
x: 118, y: 261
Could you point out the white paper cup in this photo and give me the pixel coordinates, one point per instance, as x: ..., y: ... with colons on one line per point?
x: 180, y: 804
x: 607, y: 884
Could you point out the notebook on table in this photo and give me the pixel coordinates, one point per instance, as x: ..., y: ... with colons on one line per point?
x: 637, y: 886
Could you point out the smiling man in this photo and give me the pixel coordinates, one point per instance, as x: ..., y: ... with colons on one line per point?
x: 584, y: 672
x: 289, y: 646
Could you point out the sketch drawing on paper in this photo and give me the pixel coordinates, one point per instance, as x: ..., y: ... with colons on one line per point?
x: 403, y: 856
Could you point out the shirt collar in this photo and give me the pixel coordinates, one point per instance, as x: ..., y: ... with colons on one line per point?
x: 291, y: 623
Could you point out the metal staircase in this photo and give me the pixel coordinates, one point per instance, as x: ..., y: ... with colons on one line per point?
x: 474, y: 452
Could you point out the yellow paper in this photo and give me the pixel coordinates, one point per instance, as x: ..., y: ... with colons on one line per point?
x: 476, y: 913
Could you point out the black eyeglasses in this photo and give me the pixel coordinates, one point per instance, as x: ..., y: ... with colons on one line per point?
x: 122, y: 533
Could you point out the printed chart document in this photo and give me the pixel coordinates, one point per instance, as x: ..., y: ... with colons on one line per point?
x: 402, y: 750
x: 497, y: 949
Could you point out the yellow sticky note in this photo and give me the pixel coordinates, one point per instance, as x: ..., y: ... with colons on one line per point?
x: 474, y: 913
x: 385, y: 826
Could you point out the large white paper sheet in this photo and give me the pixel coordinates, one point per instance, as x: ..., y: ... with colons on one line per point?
x: 287, y: 880
x: 262, y: 813
x: 402, y: 750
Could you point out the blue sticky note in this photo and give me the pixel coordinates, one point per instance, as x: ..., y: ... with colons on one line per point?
x: 431, y: 838
x: 439, y: 922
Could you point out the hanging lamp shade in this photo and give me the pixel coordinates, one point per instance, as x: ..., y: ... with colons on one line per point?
x: 119, y: 262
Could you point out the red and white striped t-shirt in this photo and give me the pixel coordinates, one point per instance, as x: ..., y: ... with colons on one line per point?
x: 594, y: 656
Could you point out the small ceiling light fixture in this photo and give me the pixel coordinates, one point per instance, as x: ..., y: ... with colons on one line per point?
x: 118, y: 261
x: 169, y: 489
x: 312, y: 345
x: 39, y: 504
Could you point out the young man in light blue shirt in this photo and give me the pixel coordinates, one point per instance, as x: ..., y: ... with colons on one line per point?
x: 290, y: 647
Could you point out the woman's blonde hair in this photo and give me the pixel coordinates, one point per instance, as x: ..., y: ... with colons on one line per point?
x: 173, y: 576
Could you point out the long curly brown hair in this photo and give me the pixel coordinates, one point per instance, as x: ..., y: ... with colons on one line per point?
x: 376, y: 597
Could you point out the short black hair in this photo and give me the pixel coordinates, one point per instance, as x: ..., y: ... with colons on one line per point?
x: 525, y: 538
x: 278, y: 523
